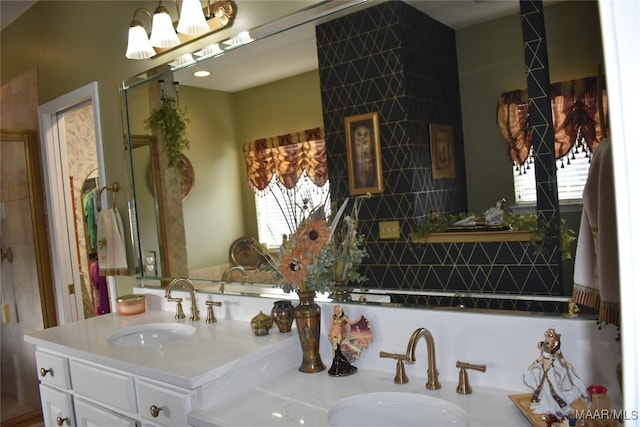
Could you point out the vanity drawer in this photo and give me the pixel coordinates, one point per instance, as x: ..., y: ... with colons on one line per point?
x: 53, y: 369
x: 105, y: 386
x: 164, y: 405
x: 88, y: 414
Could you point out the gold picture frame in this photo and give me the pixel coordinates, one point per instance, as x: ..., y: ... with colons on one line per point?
x: 442, y: 154
x: 364, y: 158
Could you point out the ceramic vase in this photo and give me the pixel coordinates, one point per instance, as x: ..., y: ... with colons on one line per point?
x: 307, y: 315
x: 282, y: 313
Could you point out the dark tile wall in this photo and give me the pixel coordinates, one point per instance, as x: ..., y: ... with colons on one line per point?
x: 395, y: 60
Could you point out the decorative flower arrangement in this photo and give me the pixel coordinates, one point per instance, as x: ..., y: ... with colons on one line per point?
x: 320, y: 253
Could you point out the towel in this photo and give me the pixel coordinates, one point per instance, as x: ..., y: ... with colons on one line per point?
x: 596, y: 276
x: 112, y: 256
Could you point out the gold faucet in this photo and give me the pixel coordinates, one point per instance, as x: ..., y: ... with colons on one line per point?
x: 432, y: 371
x: 227, y: 272
x: 195, y: 314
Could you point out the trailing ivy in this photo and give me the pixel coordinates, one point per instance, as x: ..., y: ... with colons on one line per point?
x: 170, y: 121
x: 542, y: 229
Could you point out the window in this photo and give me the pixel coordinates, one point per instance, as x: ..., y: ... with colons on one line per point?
x: 289, y: 176
x: 571, y: 177
x: 279, y: 209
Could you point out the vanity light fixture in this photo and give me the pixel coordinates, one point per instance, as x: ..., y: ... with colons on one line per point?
x: 242, y: 38
x: 162, y: 32
x: 194, y: 22
x: 182, y: 61
x: 211, y: 50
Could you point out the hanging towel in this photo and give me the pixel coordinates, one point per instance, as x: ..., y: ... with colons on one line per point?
x: 596, y: 276
x: 112, y: 257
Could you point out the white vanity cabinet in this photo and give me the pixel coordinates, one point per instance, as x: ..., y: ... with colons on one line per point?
x: 57, y: 406
x: 75, y: 392
x: 162, y: 404
x: 55, y: 384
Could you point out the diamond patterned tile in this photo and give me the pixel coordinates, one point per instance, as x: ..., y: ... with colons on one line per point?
x: 397, y: 61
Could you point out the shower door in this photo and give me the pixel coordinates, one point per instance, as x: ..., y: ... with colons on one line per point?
x: 26, y: 289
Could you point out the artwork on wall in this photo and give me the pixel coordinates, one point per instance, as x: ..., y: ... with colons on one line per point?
x: 442, y: 156
x: 187, y: 176
x: 364, y: 159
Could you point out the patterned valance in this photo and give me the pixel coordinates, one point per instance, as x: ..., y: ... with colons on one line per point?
x: 287, y: 157
x: 579, y: 109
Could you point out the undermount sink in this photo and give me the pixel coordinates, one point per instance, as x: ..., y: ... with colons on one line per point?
x: 396, y: 408
x: 150, y: 334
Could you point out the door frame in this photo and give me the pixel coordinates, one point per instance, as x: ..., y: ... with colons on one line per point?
x: 61, y: 223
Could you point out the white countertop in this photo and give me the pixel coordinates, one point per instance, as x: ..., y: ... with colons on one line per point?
x: 249, y: 380
x: 297, y: 398
x: 212, y: 351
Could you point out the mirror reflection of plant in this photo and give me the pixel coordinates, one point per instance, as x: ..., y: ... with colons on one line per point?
x: 541, y: 232
x: 171, y: 122
x: 438, y: 224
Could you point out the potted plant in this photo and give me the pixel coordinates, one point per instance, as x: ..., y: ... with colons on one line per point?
x: 170, y: 121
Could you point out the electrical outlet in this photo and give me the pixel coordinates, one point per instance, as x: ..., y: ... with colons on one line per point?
x: 389, y: 229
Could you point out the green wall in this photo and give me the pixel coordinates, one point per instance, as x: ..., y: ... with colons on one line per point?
x: 491, y: 61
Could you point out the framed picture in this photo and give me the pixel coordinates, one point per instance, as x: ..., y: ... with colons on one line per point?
x: 442, y: 158
x: 364, y: 159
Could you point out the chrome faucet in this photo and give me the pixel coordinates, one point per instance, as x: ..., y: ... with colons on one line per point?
x: 195, y: 314
x: 432, y: 371
x: 229, y: 269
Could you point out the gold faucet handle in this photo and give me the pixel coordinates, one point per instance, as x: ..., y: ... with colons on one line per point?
x: 211, y: 317
x: 401, y: 375
x: 179, y: 311
x: 463, y: 378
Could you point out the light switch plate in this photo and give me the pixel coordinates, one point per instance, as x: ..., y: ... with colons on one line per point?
x: 389, y: 229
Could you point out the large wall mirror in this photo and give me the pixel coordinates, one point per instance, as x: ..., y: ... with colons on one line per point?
x: 272, y: 86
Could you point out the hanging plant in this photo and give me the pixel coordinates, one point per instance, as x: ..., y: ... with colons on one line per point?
x: 170, y: 121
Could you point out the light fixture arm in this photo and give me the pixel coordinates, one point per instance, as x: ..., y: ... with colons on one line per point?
x: 160, y: 8
x: 136, y: 22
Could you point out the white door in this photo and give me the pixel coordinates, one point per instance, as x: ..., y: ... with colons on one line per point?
x: 70, y: 271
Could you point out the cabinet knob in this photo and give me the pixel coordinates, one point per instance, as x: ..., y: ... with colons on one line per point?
x: 155, y: 410
x: 60, y: 420
x: 44, y: 372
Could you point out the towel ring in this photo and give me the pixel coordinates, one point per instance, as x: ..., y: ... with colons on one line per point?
x: 113, y: 188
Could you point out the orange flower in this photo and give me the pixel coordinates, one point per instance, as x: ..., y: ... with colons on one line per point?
x: 313, y: 235
x: 293, y: 268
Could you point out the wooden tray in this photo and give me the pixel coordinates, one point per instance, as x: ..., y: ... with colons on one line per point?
x: 523, y: 402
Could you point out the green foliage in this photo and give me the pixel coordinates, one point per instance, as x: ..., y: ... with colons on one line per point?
x: 170, y: 121
x: 541, y: 233
x: 438, y: 224
x: 542, y: 230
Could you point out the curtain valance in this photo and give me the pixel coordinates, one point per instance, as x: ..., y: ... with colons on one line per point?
x: 287, y: 157
x: 579, y: 109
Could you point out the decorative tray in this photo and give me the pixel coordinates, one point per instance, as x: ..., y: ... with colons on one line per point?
x: 243, y: 252
x: 523, y: 402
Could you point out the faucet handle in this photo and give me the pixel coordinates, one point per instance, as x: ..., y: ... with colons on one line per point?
x: 463, y: 378
x: 179, y: 311
x: 211, y: 317
x: 401, y: 375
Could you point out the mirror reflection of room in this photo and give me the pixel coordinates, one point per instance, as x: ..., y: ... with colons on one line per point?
x: 274, y: 109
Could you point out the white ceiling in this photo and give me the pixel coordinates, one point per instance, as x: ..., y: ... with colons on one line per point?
x: 294, y: 51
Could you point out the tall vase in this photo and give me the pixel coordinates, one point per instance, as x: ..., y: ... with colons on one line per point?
x: 307, y: 315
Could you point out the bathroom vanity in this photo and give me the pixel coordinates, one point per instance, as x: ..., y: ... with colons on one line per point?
x: 151, y: 369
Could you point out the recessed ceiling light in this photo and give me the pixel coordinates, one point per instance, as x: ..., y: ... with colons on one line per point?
x: 202, y: 73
